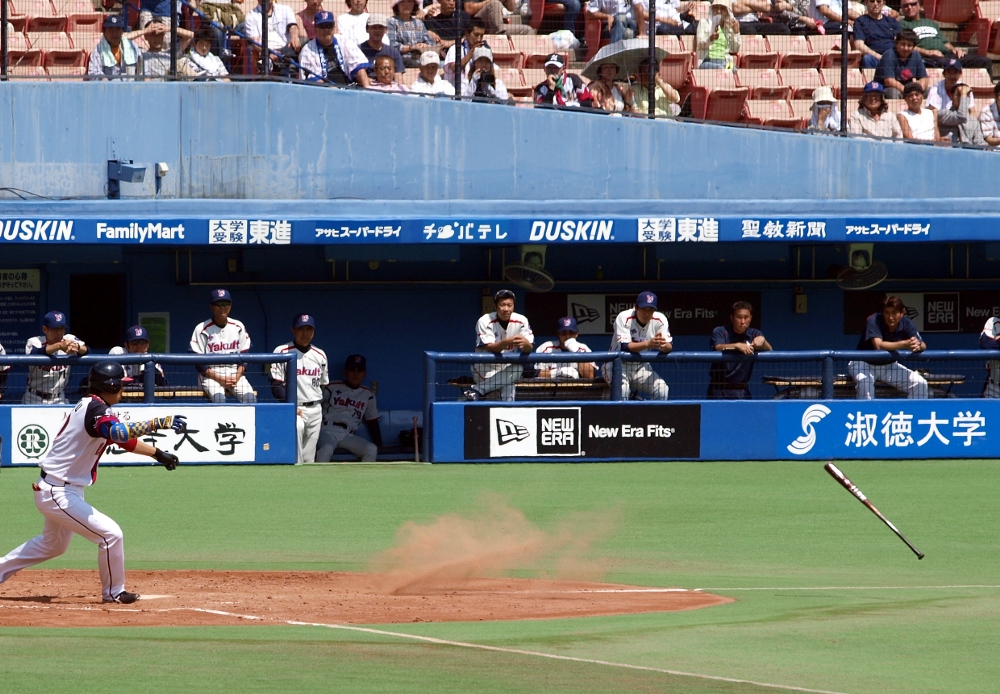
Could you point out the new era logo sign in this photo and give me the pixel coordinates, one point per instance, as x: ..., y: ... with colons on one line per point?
x: 508, y: 432
x: 585, y: 314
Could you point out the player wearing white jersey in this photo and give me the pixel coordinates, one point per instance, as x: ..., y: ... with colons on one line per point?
x: 567, y: 332
x: 223, y: 335
x: 346, y: 404
x: 990, y: 339
x: 47, y: 384
x: 137, y: 342
x: 71, y: 466
x: 637, y: 330
x: 497, y: 332
x: 4, y: 371
x: 312, y: 374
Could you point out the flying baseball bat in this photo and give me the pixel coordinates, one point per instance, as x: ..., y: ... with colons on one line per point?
x: 849, y: 486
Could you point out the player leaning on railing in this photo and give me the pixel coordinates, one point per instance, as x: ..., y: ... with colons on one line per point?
x: 71, y: 466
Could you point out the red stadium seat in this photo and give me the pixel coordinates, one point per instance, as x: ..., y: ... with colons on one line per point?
x: 801, y: 82
x: 51, y: 41
x: 89, y: 22
x: 763, y: 84
x: 950, y: 11
x: 980, y: 81
x: 675, y: 68
x: 802, y: 109
x: 756, y: 53
x: 536, y: 48
x: 539, y: 11
x: 518, y: 83
x: 989, y: 10
x: 504, y: 53
x: 829, y: 48
x: 715, y: 95
x: 27, y: 57
x: 34, y: 8
x: 47, y: 24
x: 771, y: 112
x: 68, y: 7
x: 64, y: 58
x: 794, y: 52
x: 17, y: 41
x: 530, y: 78
x: 27, y: 71
x: 670, y: 43
x: 855, y: 81
x: 592, y: 30
x: 88, y: 39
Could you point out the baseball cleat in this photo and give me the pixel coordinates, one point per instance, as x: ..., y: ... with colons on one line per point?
x: 470, y: 394
x: 124, y: 598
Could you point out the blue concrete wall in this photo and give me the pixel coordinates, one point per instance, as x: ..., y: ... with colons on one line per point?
x: 275, y: 141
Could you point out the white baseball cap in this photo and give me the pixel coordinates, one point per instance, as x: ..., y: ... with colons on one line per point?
x: 429, y: 58
x: 482, y: 52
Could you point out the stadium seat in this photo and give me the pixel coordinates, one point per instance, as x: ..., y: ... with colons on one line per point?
x: 674, y: 68
x: 801, y: 109
x: 980, y: 81
x: 19, y: 23
x: 17, y: 41
x: 68, y: 7
x: 950, y: 11
x: 989, y: 10
x: 540, y: 11
x: 64, y: 58
x: 90, y: 22
x: 66, y: 71
x: 51, y: 41
x: 530, y: 78
x: 593, y: 28
x: 37, y: 25
x: 755, y: 53
x: 670, y: 43
x: 536, y: 48
x: 88, y: 39
x: 855, y: 81
x: 715, y: 95
x: 516, y: 82
x: 763, y: 84
x: 504, y: 53
x: 24, y: 71
x: 794, y: 51
x: 829, y: 48
x: 801, y: 82
x: 688, y: 41
x: 772, y: 112
x: 26, y: 57
x: 33, y: 8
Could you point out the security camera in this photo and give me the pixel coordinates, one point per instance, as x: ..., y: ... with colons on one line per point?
x: 161, y: 168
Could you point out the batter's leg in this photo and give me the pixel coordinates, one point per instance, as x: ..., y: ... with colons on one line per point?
x: 53, y: 541
x: 366, y: 450
x: 215, y: 392
x: 864, y: 379
x: 244, y: 391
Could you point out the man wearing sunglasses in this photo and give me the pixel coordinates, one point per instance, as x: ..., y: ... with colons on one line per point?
x: 932, y: 46
x: 874, y: 33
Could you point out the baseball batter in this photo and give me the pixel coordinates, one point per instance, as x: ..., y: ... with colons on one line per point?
x: 71, y: 466
x: 4, y: 372
x: 312, y: 374
x: 497, y: 332
x: 346, y: 405
x: 47, y: 384
x: 567, y: 332
x: 639, y: 329
x: 222, y: 335
x: 988, y: 339
x: 137, y: 342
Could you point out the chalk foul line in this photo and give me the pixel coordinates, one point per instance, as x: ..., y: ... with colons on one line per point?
x: 779, y: 588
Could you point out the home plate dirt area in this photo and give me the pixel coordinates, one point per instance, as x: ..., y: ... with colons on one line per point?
x: 71, y: 598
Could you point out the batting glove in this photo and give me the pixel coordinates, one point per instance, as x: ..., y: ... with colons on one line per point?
x: 179, y: 424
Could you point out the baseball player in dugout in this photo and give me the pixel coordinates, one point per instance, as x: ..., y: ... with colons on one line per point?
x: 70, y: 467
x: 313, y: 373
x: 640, y: 329
x: 346, y: 404
x: 498, y: 332
x: 137, y: 342
x: 728, y: 380
x: 567, y: 332
x: 47, y: 384
x: 223, y: 335
x: 4, y: 372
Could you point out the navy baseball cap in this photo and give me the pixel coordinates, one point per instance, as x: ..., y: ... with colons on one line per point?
x: 501, y: 295
x: 355, y: 362
x: 323, y: 17
x: 645, y: 300
x: 114, y: 21
x: 136, y: 333
x: 874, y: 87
x: 953, y: 64
x: 567, y: 323
x: 303, y: 319
x: 54, y: 319
x: 220, y: 295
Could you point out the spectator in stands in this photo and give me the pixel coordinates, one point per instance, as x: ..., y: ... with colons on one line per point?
x: 665, y: 96
x: 200, y: 62
x: 989, y: 119
x: 641, y: 329
x: 668, y: 19
x: 728, y: 380
x: 609, y: 95
x: 474, y: 37
x: 353, y: 24
x: 378, y: 25
x: 492, y: 12
x: 346, y: 404
x: 332, y: 59
x: 617, y: 21
x: 718, y: 38
x: 137, y: 342
x: 874, y: 33
x: 796, y: 15
x: 825, y: 114
x: 939, y: 97
x: 567, y: 342
x: 749, y: 12
x: 156, y: 57
x: 481, y: 80
x: 150, y: 10
x: 114, y: 55
x: 4, y: 372
x: 282, y: 29
x: 307, y: 19
x: 220, y: 17
x: 408, y: 34
x: 990, y: 339
x: 931, y: 45
x: 47, y: 384
x: 429, y: 82
x: 444, y: 25
x: 871, y: 118
x: 222, y: 335
x: 901, y: 65
x: 956, y: 121
x: 385, y: 78
x: 562, y: 88
x: 830, y: 14
x: 889, y: 330
x: 917, y: 122
x: 499, y: 332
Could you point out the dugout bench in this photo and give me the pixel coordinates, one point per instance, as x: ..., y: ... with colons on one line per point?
x: 548, y: 388
x: 810, y: 387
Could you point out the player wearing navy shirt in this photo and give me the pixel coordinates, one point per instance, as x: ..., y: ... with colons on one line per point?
x: 889, y: 330
x: 728, y: 380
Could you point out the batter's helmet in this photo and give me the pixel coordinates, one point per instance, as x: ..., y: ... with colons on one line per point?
x: 106, y: 377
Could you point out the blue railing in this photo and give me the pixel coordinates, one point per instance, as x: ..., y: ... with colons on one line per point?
x: 151, y: 360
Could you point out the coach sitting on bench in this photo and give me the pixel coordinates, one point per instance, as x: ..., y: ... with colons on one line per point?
x: 890, y: 330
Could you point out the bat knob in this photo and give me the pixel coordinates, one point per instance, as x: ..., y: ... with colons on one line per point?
x: 920, y: 556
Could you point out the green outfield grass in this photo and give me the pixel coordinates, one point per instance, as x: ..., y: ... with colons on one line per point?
x: 826, y: 597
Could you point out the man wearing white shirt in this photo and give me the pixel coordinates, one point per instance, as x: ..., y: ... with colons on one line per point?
x: 332, y: 59
x: 637, y: 330
x: 354, y: 24
x: 283, y: 34
x: 939, y: 96
x: 429, y: 82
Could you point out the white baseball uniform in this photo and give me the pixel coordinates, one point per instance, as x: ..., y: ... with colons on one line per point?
x: 344, y: 408
x: 4, y: 368
x: 639, y: 376
x: 70, y: 467
x: 562, y: 369
x: 231, y: 338
x: 47, y: 384
x: 987, y: 340
x: 134, y: 371
x: 502, y: 377
x: 313, y: 373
